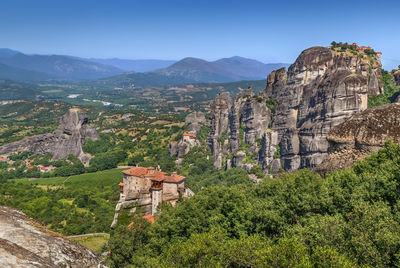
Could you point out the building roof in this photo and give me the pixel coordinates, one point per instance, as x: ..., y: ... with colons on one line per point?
x: 189, y: 135
x: 121, y: 184
x: 136, y: 171
x: 154, y: 174
x: 30, y: 167
x: 149, y: 218
x: 174, y: 178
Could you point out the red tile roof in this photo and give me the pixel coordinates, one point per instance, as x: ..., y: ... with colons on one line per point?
x: 149, y: 218
x: 174, y: 178
x: 136, y: 171
x: 189, y: 135
x: 30, y: 167
x: 121, y: 184
x: 153, y: 174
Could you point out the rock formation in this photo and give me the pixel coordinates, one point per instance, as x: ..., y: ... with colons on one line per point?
x: 321, y: 89
x: 26, y: 243
x: 193, y: 123
x: 360, y: 135
x: 396, y: 77
x: 237, y: 123
x: 268, y: 155
x: 275, y: 82
x: 69, y: 138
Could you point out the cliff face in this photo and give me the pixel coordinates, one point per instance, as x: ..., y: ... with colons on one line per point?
x: 396, y: 78
x: 233, y: 123
x: 361, y: 134
x: 26, y: 243
x: 68, y: 139
x: 323, y: 88
x: 219, y: 127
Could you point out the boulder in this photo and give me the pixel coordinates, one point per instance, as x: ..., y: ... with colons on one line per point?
x: 237, y: 160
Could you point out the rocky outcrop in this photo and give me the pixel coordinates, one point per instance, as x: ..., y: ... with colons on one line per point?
x: 244, y: 120
x: 193, y: 123
x: 323, y: 88
x: 276, y: 81
x: 396, y: 78
x: 361, y: 134
x: 26, y: 243
x: 268, y: 155
x: 69, y: 138
x: 219, y: 124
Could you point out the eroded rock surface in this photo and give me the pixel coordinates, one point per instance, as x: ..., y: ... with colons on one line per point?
x: 69, y: 138
x: 396, y: 77
x: 323, y: 88
x: 243, y: 120
x: 361, y: 134
x: 26, y: 243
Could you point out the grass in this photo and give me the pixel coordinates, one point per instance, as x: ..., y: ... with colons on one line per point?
x: 101, y: 178
x: 94, y: 242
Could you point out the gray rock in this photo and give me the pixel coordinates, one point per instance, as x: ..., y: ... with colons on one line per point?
x: 26, y: 243
x: 238, y: 158
x: 228, y: 164
x: 194, y: 121
x: 323, y: 88
x: 173, y: 148
x: 69, y: 138
x: 268, y: 150
x: 276, y: 81
x: 247, y: 167
x: 275, y: 166
x: 396, y: 78
x: 219, y: 126
x: 127, y: 117
x: 360, y: 135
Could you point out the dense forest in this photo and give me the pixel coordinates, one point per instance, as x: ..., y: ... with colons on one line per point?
x: 350, y: 218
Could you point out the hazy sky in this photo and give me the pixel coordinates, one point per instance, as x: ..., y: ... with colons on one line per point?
x: 270, y: 31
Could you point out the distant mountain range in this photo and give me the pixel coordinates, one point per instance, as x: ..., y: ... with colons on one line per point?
x: 44, y: 67
x: 135, y: 65
x: 18, y: 66
x: 194, y: 70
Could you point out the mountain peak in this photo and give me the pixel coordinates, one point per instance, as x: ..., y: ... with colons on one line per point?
x: 6, y: 52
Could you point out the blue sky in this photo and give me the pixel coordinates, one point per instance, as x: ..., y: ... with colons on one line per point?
x: 270, y: 31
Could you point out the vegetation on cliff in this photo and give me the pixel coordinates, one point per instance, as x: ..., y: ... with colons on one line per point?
x: 390, y: 91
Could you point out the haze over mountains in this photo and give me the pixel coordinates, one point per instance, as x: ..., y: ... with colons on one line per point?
x: 18, y: 66
x: 194, y: 70
x: 135, y: 65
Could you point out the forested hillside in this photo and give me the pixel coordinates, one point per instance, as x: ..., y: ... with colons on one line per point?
x: 348, y: 219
